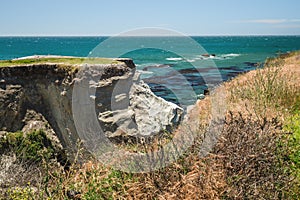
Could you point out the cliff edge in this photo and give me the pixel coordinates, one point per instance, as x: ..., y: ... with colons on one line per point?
x: 71, y: 96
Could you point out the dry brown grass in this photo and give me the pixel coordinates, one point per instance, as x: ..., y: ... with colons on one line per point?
x: 272, y: 91
x: 250, y: 158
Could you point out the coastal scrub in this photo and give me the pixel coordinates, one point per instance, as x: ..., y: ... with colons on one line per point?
x: 256, y: 157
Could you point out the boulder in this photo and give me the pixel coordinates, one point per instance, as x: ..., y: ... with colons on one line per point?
x: 146, y: 114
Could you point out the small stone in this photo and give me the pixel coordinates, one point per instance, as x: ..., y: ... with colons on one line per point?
x: 206, y: 92
x: 200, y: 96
x: 63, y: 93
x: 93, y: 97
x: 73, y: 194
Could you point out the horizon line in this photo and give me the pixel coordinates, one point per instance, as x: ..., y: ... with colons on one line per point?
x: 191, y: 35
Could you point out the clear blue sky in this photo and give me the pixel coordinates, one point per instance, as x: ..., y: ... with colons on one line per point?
x: 110, y: 17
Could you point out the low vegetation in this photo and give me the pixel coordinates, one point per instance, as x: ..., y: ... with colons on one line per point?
x: 56, y: 60
x: 32, y: 147
x: 293, y: 147
x: 257, y: 155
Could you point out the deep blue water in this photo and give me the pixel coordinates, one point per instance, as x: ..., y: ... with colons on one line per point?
x: 176, y: 68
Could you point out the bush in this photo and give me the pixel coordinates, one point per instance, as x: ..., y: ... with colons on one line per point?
x: 32, y: 147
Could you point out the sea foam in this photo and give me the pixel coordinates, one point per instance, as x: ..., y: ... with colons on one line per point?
x: 174, y: 59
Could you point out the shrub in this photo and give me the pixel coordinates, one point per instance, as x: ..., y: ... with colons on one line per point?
x: 32, y: 147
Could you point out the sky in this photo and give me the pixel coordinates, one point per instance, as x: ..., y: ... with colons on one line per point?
x: 111, y: 17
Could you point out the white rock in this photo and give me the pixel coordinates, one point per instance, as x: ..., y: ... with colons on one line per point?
x: 146, y: 114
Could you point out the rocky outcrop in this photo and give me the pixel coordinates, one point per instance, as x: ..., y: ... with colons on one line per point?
x: 146, y: 114
x: 67, y: 96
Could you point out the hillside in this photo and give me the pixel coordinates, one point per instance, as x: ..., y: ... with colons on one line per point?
x: 246, y: 140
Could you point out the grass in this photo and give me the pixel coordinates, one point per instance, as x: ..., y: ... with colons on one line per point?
x: 293, y: 140
x: 57, y: 60
x: 26, y: 155
x: 32, y: 147
x: 256, y: 157
x: 20, y: 193
x: 272, y: 93
x: 269, y: 87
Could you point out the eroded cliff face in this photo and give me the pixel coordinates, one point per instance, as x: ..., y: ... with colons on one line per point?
x: 122, y: 104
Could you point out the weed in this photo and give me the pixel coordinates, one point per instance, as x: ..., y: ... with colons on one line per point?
x: 18, y: 193
x: 31, y: 147
x: 293, y: 126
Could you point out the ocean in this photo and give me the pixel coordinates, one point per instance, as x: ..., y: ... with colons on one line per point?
x: 177, y: 69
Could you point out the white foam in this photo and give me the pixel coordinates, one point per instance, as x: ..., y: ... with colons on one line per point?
x: 174, y: 59
x: 230, y: 55
x: 144, y: 72
x: 205, y: 57
x: 217, y: 57
x: 191, y: 60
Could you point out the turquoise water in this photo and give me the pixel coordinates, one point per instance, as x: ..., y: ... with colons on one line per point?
x: 174, y: 67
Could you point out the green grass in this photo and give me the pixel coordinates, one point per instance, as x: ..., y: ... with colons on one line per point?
x: 293, y: 126
x: 33, y: 147
x: 289, y: 155
x: 62, y: 60
x: 20, y: 193
x: 108, y: 187
x: 96, y: 182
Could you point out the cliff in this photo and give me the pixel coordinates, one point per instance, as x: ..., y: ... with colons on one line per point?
x: 77, y: 99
